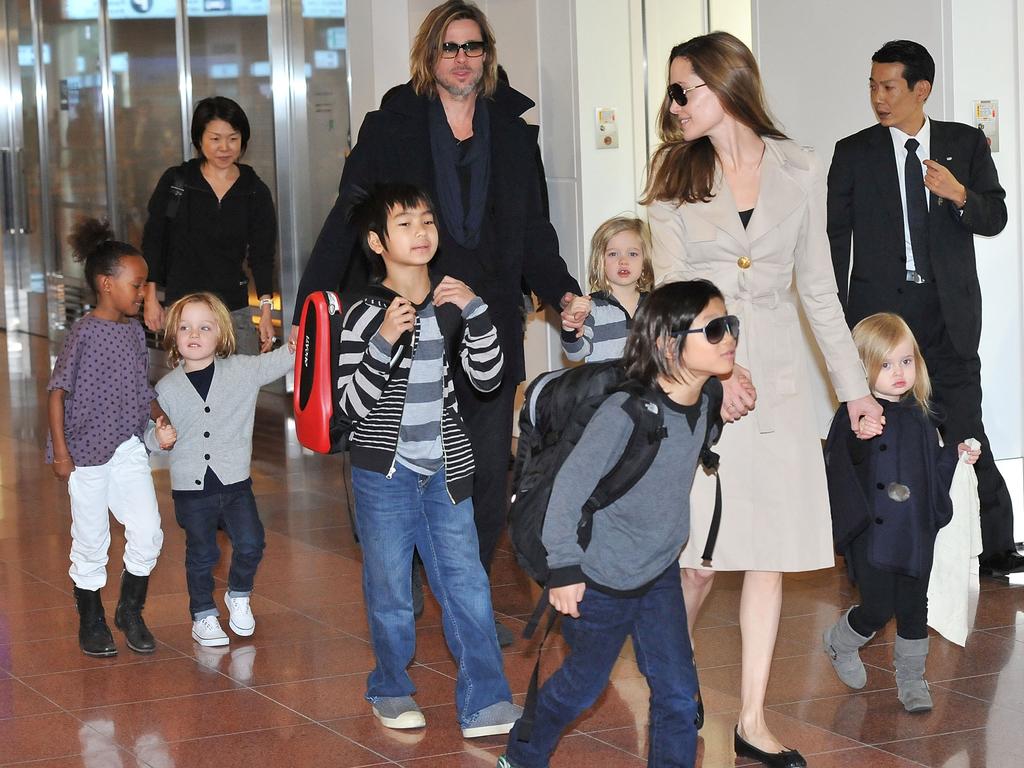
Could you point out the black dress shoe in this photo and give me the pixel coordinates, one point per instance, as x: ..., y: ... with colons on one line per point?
x: 1000, y: 565
x: 787, y: 758
x: 698, y: 721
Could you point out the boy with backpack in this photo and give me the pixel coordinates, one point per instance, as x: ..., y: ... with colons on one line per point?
x: 412, y: 463
x: 620, y: 578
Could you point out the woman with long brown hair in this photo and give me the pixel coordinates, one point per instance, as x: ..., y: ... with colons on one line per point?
x: 732, y: 200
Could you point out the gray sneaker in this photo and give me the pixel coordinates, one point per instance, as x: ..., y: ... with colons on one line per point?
x: 494, y: 720
x: 398, y: 712
x: 504, y: 762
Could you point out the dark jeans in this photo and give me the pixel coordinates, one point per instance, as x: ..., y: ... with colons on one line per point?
x: 200, y: 516
x: 884, y: 594
x: 488, y: 418
x: 956, y: 391
x: 656, y: 621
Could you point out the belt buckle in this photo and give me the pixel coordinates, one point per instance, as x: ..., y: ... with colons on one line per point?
x: 914, y: 277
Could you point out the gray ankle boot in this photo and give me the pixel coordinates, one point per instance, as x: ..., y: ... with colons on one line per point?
x: 841, y: 643
x: 909, y: 657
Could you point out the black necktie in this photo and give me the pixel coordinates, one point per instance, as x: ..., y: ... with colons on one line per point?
x: 917, y: 210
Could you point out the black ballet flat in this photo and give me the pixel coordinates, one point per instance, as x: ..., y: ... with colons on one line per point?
x: 788, y: 758
x: 698, y: 721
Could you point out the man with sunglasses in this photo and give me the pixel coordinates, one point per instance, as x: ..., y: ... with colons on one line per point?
x: 455, y: 131
x: 911, y: 193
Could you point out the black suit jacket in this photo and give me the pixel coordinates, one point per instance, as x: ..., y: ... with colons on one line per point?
x: 394, y: 145
x: 864, y: 204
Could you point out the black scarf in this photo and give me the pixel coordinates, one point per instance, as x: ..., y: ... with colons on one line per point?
x: 464, y: 226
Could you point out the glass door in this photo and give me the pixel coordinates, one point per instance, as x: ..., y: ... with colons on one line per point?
x: 23, y: 272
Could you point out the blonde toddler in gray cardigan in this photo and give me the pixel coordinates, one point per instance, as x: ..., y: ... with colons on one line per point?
x: 210, y: 397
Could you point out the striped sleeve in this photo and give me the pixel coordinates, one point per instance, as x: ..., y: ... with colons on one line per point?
x: 363, y: 361
x: 579, y: 348
x: 481, y: 354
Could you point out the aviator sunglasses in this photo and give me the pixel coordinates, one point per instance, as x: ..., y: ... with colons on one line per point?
x: 677, y: 93
x: 472, y: 48
x: 715, y: 330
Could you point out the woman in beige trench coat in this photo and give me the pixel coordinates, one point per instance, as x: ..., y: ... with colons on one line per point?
x: 721, y: 159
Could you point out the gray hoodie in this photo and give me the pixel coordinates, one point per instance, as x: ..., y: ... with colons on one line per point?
x: 637, y: 537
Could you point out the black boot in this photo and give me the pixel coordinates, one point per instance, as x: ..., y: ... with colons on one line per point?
x: 128, y: 616
x: 94, y: 636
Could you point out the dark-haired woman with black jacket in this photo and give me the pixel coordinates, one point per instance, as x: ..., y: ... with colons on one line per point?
x: 209, y: 216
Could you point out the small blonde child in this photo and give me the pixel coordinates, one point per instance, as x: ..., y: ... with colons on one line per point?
x: 212, y: 393
x: 889, y: 492
x: 620, y: 276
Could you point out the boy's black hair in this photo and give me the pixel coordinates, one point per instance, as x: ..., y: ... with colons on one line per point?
x: 664, y: 317
x: 93, y: 245
x: 219, y: 108
x: 369, y: 213
x: 917, y: 63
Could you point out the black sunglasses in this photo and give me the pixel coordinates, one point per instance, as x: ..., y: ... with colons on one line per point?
x: 715, y: 330
x: 677, y: 93
x: 472, y: 48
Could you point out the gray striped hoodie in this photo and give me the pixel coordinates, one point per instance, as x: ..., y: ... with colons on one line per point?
x: 374, y: 378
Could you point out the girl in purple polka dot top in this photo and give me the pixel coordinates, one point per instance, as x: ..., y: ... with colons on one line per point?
x: 99, y: 406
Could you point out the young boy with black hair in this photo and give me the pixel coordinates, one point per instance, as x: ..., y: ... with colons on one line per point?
x: 412, y: 463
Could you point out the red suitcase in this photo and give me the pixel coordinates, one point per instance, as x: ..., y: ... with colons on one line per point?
x: 318, y: 425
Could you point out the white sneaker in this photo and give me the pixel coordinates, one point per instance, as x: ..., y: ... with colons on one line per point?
x: 207, y: 632
x: 241, y: 620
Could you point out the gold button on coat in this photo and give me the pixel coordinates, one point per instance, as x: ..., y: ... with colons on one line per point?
x: 743, y: 262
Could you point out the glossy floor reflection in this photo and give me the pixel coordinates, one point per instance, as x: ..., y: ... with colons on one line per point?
x: 292, y: 694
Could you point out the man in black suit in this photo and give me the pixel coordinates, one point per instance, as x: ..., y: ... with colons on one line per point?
x: 912, y: 223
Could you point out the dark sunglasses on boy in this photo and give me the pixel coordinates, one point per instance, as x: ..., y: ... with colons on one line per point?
x: 677, y: 93
x: 715, y: 330
x: 472, y: 48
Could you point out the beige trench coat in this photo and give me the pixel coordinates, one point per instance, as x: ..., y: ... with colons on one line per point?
x: 775, y: 511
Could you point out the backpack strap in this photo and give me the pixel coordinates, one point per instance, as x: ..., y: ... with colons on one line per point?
x: 709, y: 460
x: 530, y: 705
x: 176, y: 192
x: 637, y: 457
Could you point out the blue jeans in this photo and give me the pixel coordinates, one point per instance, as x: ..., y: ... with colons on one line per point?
x: 392, y: 517
x: 200, y: 516
x: 657, y: 623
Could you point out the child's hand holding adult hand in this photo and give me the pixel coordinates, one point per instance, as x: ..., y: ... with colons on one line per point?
x: 399, y: 317
x: 62, y: 467
x: 566, y: 599
x: 166, y: 435
x: 869, y: 426
x: 450, y: 290
x: 579, y: 308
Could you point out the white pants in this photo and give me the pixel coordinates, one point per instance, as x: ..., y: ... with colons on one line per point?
x: 124, y: 485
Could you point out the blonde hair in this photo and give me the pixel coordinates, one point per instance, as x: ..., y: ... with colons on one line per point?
x: 596, y: 275
x: 226, y: 339
x: 684, y: 171
x: 426, y: 48
x: 876, y: 336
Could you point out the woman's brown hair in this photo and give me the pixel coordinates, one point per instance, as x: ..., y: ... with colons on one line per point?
x: 684, y: 171
x: 427, y: 47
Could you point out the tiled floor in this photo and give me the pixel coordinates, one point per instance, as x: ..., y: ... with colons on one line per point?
x: 292, y: 695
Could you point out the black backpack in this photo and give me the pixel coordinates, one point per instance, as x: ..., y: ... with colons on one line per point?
x: 557, y: 408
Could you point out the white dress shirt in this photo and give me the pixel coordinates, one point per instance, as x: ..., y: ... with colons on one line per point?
x: 924, y: 141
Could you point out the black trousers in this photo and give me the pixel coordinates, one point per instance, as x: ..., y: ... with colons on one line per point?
x: 488, y: 418
x: 884, y: 594
x: 956, y: 392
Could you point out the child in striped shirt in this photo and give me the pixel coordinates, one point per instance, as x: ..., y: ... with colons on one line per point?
x: 621, y: 276
x: 412, y: 462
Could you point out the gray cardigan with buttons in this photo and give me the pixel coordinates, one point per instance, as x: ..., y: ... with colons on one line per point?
x: 216, y: 432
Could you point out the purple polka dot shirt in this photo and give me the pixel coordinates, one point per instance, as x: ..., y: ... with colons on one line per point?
x: 104, y: 369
